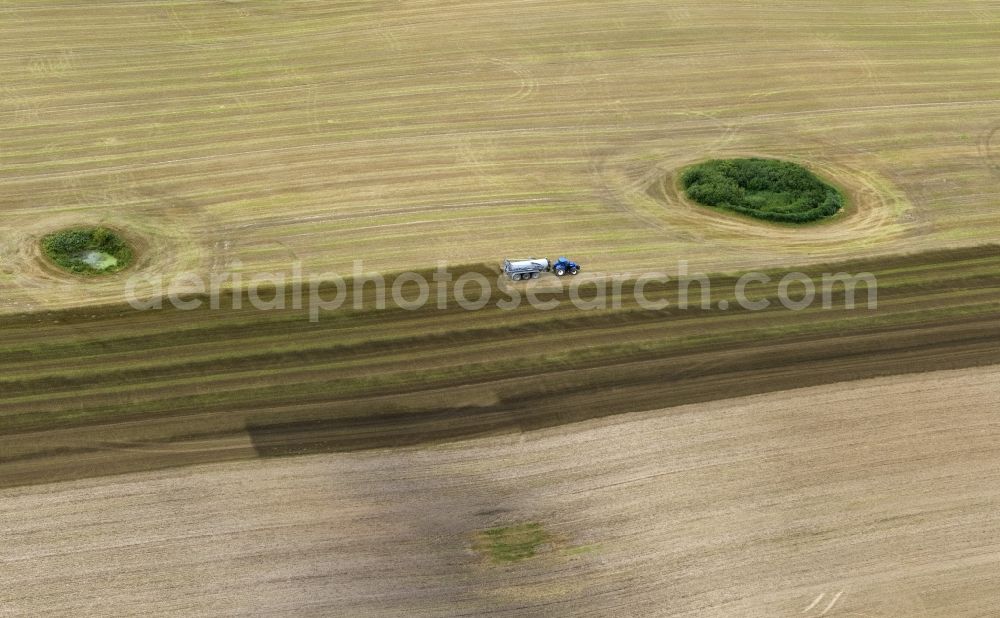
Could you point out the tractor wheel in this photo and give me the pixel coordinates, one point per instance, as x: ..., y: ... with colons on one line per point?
x: 560, y: 272
x: 573, y: 271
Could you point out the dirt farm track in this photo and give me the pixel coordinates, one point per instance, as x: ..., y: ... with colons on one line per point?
x: 710, y: 461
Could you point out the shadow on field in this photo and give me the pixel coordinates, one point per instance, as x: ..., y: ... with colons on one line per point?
x: 106, y: 390
x: 704, y: 375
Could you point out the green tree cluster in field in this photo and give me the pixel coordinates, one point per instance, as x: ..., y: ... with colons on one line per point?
x: 763, y: 188
x: 67, y: 248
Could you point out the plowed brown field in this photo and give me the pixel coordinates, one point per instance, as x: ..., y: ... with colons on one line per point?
x: 867, y: 498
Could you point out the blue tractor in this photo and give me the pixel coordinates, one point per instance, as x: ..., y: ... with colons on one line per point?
x: 532, y: 268
x: 562, y: 266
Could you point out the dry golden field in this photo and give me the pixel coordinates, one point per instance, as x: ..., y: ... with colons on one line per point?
x: 246, y: 135
x: 870, y: 498
x: 712, y: 461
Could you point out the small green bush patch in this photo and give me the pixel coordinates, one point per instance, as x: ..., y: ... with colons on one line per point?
x: 767, y: 189
x: 96, y: 250
x: 511, y: 543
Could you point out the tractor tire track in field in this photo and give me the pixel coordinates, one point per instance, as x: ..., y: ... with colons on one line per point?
x: 875, y: 214
x: 164, y: 234
x: 989, y: 149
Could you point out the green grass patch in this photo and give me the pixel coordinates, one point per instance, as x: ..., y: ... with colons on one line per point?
x: 511, y: 543
x: 580, y: 550
x: 765, y: 189
x: 88, y: 251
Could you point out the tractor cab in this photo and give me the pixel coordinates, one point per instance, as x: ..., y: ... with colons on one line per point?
x: 562, y: 266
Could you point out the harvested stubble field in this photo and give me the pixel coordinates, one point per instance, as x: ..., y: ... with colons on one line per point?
x: 405, y: 133
x: 880, y: 495
x: 245, y: 136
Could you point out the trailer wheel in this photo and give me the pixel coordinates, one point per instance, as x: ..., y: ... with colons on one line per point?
x: 573, y: 271
x: 516, y: 276
x: 534, y: 275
